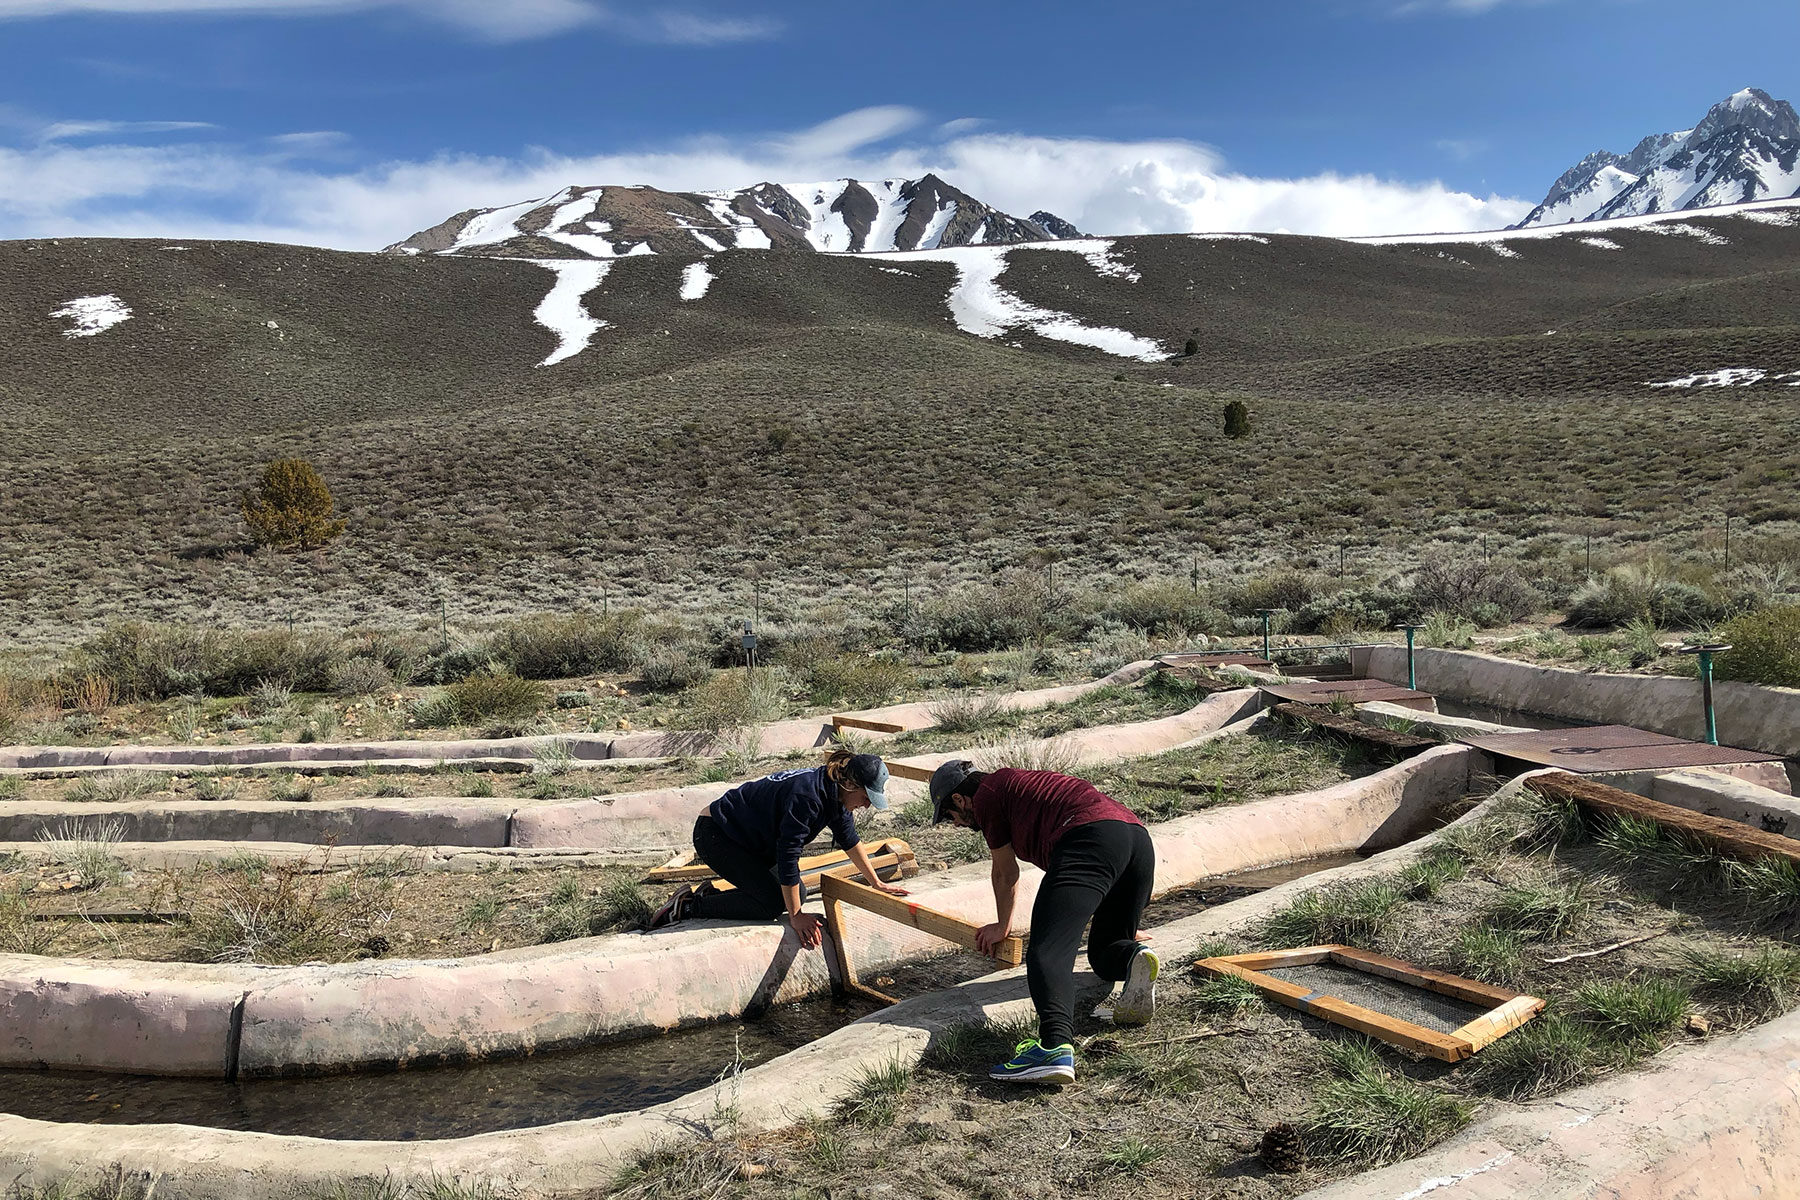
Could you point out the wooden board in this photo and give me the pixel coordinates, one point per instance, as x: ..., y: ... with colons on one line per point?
x: 1512, y: 1009
x: 835, y: 887
x: 871, y: 726
x: 883, y: 855
x: 906, y: 771
x: 1389, y: 741
x: 1727, y: 837
x: 840, y: 953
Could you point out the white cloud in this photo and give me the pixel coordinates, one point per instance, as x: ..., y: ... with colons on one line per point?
x: 498, y: 20
x: 268, y: 192
x: 66, y: 130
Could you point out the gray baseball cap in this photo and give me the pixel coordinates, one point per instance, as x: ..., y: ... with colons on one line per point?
x: 869, y: 771
x: 944, y: 782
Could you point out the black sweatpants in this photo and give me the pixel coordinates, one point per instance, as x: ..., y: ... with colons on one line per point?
x: 758, y: 894
x: 1104, y: 870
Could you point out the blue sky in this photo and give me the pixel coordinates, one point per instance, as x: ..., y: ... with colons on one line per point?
x: 353, y: 122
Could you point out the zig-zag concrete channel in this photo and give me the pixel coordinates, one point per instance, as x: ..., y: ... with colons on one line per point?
x: 1711, y: 1124
x: 778, y: 738
x: 1640, y: 1135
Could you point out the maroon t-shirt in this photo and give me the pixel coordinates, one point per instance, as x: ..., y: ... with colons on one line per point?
x: 1031, y: 810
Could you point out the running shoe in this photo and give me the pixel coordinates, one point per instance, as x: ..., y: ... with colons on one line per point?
x: 1137, y: 999
x: 1035, y: 1063
x: 673, y: 911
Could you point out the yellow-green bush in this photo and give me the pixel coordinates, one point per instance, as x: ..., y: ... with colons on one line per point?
x: 291, y: 507
x: 1765, y: 647
x: 489, y: 694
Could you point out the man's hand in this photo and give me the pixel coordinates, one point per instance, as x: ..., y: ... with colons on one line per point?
x: 809, y: 929
x: 989, y: 937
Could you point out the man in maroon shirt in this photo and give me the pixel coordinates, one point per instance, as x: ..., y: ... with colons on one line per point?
x: 1098, y: 863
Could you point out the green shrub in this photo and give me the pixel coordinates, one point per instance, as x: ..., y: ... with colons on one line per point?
x: 550, y: 646
x: 491, y: 694
x: 1624, y: 594
x: 858, y: 679
x: 1765, y: 647
x: 360, y: 677
x: 995, y: 616
x: 1354, y: 914
x: 291, y: 507
x: 672, y: 667
x: 733, y: 700
x: 1237, y: 419
x: 1166, y: 609
x: 1286, y: 589
x: 1486, y: 592
x: 152, y: 662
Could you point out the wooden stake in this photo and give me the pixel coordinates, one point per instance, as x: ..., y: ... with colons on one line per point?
x: 842, y: 722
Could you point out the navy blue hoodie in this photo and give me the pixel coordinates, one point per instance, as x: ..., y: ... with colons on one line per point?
x: 776, y: 816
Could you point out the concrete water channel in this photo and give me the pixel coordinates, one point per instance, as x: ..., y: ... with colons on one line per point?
x: 569, y: 1110
x: 571, y: 1085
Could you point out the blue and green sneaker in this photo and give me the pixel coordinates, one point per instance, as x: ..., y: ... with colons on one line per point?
x: 1035, y: 1063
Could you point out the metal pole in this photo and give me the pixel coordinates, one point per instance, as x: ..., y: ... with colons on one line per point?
x: 1412, y: 669
x: 1590, y: 548
x: 1705, y: 654
x: 1484, y: 552
x: 1727, y: 547
x: 1264, y: 614
x: 1341, y: 552
x: 1194, y: 575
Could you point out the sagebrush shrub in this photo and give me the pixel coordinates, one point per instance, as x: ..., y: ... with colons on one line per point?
x: 1765, y: 647
x: 490, y: 694
x: 857, y: 679
x: 1166, y: 608
x: 151, y: 662
x: 291, y: 507
x: 360, y: 677
x: 549, y: 646
x: 1488, y: 593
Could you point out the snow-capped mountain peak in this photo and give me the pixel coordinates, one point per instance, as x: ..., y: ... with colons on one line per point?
x: 836, y: 216
x: 1745, y: 149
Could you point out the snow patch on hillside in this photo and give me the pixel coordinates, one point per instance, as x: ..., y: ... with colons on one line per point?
x: 1601, y: 243
x: 1693, y: 231
x: 982, y: 307
x: 695, y: 279
x: 746, y: 232
x: 1724, y: 377
x: 934, y: 230
x: 1228, y: 237
x: 1765, y: 217
x: 828, y: 230
x: 562, y: 311
x: 1768, y: 211
x: 92, y: 315
x: 492, y: 228
x: 1099, y: 253
x: 890, y: 213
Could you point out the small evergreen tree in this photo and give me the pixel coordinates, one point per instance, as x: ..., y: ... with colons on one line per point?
x: 292, y: 507
x: 1237, y: 419
x: 1192, y: 348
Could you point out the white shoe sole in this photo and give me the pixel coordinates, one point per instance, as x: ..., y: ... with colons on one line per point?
x: 1036, y: 1075
x: 1136, y: 1004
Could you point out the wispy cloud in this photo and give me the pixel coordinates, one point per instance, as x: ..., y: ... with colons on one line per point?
x: 495, y: 20
x: 852, y: 131
x: 63, y: 131
x: 1462, y: 8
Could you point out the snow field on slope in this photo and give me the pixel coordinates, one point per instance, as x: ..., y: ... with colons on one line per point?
x: 492, y: 228
x: 828, y: 231
x: 980, y: 306
x: 1728, y: 377
x: 1767, y: 211
x: 577, y: 213
x: 747, y: 235
x: 1601, y: 243
x: 562, y: 311
x: 890, y: 212
x: 1229, y: 237
x: 92, y: 315
x: 695, y: 279
x: 934, y: 229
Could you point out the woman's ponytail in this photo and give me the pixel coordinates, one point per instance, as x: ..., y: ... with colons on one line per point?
x: 837, y: 767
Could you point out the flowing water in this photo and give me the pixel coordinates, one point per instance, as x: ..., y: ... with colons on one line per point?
x: 592, y: 1081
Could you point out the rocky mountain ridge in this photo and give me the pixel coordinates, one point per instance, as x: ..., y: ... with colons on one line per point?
x: 838, y: 216
x: 1747, y: 148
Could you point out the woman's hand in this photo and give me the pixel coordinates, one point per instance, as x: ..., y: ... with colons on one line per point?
x: 890, y: 889
x: 809, y: 929
x: 989, y: 937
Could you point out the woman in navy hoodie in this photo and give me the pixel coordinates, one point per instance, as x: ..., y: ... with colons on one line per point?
x: 753, y: 835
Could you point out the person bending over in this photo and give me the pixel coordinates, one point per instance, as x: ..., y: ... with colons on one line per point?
x: 753, y: 835
x: 1098, y: 863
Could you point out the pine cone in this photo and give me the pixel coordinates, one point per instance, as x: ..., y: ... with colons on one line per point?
x: 1103, y: 1047
x: 1284, y: 1149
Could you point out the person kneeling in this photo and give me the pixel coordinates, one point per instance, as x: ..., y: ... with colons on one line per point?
x: 752, y: 837
x: 1098, y: 863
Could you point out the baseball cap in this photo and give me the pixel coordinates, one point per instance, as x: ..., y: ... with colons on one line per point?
x: 871, y: 774
x: 944, y: 782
